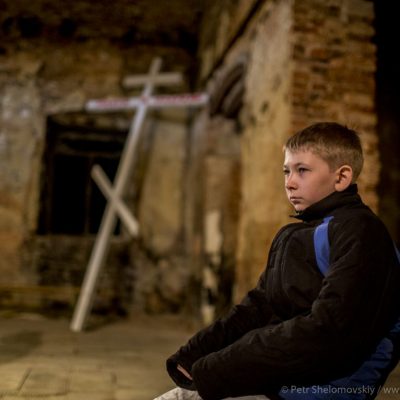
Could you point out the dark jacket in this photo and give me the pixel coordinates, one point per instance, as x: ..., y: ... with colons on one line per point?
x: 297, y: 327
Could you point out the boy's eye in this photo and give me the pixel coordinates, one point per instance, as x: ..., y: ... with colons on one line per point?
x: 302, y: 169
x: 285, y: 172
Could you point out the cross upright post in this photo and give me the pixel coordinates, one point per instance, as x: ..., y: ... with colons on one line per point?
x: 109, y: 220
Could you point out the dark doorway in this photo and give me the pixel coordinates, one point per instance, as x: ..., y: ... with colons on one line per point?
x: 71, y: 202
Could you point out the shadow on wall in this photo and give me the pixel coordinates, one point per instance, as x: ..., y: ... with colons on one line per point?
x: 388, y: 109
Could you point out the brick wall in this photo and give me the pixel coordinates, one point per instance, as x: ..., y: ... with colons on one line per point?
x: 334, y: 74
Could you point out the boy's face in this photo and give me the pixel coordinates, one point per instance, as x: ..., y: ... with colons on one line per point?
x: 308, y: 178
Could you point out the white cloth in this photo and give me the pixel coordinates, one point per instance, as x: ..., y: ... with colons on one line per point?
x: 183, y: 394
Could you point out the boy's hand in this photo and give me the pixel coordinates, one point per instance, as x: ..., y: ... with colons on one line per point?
x: 184, y: 372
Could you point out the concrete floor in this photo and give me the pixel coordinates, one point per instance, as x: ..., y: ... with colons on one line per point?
x: 42, y: 359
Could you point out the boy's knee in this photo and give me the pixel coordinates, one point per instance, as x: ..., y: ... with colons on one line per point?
x: 179, y: 394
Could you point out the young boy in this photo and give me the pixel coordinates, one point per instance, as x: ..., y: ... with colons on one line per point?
x: 320, y: 323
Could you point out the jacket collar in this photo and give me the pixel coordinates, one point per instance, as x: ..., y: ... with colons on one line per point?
x: 335, y: 200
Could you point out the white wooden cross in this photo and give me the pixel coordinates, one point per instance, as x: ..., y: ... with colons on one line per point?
x: 115, y: 206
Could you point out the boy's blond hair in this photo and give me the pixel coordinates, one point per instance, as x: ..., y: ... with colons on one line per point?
x: 334, y: 143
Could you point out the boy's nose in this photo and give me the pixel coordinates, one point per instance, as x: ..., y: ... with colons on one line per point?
x: 290, y: 182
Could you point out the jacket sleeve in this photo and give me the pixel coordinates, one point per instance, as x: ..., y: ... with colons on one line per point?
x: 253, y: 312
x: 352, y: 312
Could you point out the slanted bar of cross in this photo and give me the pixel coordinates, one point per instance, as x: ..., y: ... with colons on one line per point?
x: 107, y: 226
x: 106, y: 188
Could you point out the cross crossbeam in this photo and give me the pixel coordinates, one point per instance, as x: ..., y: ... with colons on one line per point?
x: 167, y: 78
x: 115, y: 206
x: 166, y: 101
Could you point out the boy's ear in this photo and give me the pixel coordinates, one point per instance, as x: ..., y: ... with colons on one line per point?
x: 344, y: 177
